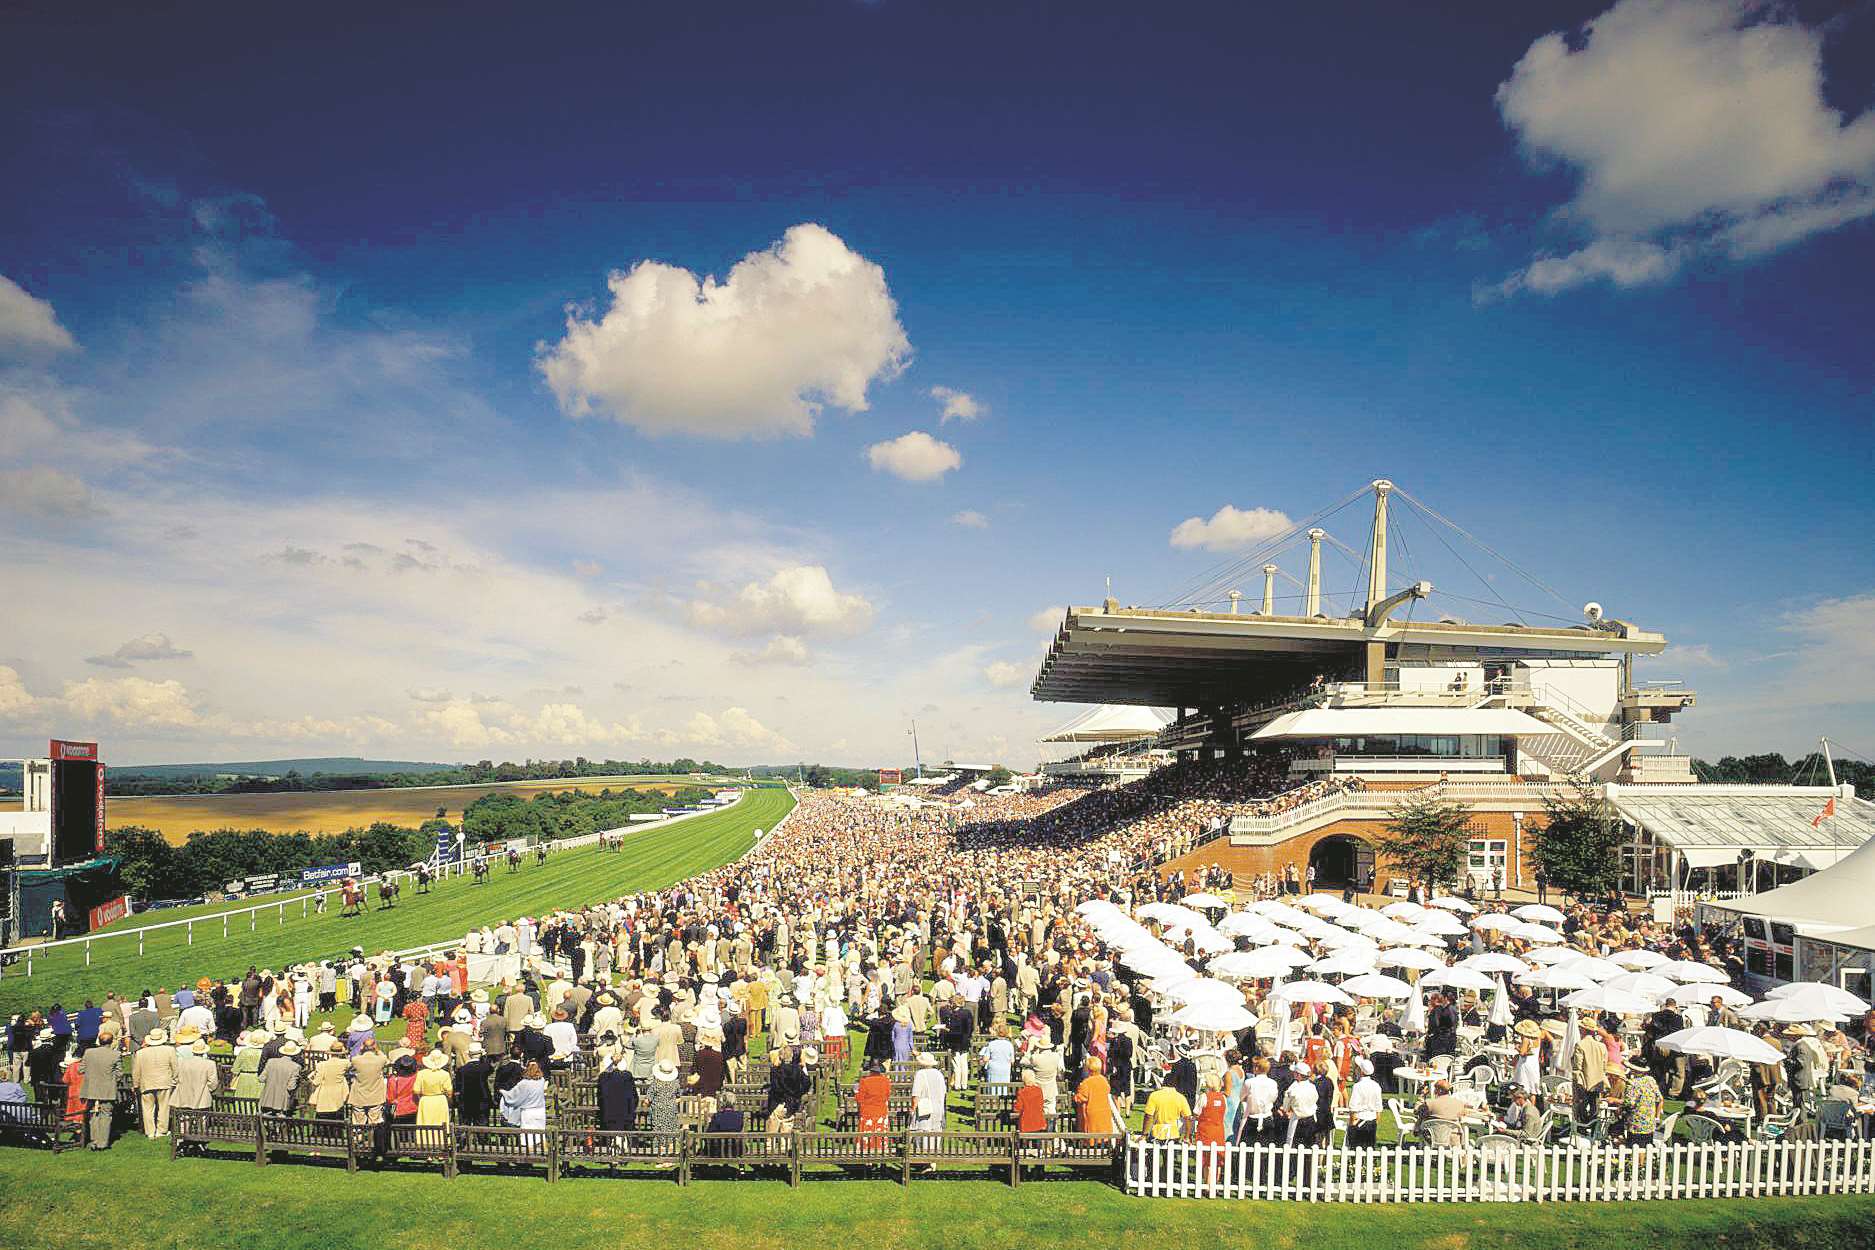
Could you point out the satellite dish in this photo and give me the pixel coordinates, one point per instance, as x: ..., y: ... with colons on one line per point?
x: 1592, y: 610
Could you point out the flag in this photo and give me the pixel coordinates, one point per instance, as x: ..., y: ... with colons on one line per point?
x: 1829, y: 809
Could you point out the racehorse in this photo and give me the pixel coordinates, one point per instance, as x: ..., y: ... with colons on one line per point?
x: 514, y: 860
x: 540, y: 854
x: 354, y: 897
x: 481, y: 872
x: 387, y: 894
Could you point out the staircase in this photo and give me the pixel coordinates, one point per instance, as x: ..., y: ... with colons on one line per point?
x: 1576, y: 748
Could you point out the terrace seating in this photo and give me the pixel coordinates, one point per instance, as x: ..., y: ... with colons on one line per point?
x: 290, y: 1136
x: 1098, y: 1153
x: 195, y: 1131
x: 501, y: 1148
x: 611, y: 1151
x: 422, y: 1142
x: 961, y: 1149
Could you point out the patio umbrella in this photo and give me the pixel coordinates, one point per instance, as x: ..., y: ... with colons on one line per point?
x: 1341, y: 939
x: 1270, y: 962
x: 1347, y: 963
x: 1408, y: 957
x: 1403, y: 910
x: 1450, y: 902
x: 1601, y: 998
x: 1824, y: 994
x: 1214, y: 1017
x: 1245, y: 924
x: 1168, y: 913
x: 1643, y: 983
x: 1557, y: 955
x: 1458, y: 978
x: 1639, y: 960
x: 1500, y: 1005
x: 1562, y: 1060
x: 1377, y: 985
x: 1794, y: 1009
x: 1204, y: 902
x: 1722, y: 1043
x: 1204, y: 990
x: 1592, y: 968
x: 1494, y: 920
x: 1691, y: 971
x: 1310, y: 992
x: 1536, y: 933
x: 1415, y: 1021
x: 1443, y: 923
x: 1555, y: 977
x: 1285, y: 1030
x: 1319, y: 902
x: 1726, y: 994
x: 1494, y: 961
x: 1538, y: 911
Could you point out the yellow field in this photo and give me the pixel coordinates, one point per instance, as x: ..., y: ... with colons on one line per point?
x: 177, y: 816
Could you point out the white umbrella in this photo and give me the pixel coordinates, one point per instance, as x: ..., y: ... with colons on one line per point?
x: 1273, y: 961
x: 1538, y: 911
x: 1563, y: 1058
x: 1168, y: 913
x: 1281, y: 913
x: 1726, y: 995
x: 1093, y: 905
x: 1443, y: 923
x: 1692, y: 971
x: 1310, y: 992
x: 1601, y: 998
x: 1823, y: 994
x: 1450, y: 902
x: 1347, y: 963
x: 1722, y: 1044
x: 1341, y: 940
x: 1495, y: 920
x: 1322, y: 902
x: 1377, y: 985
x: 1643, y: 983
x: 1245, y: 924
x: 1639, y: 960
x: 1557, y: 955
x: 1592, y: 968
x: 1536, y: 933
x: 1204, y: 902
x: 1500, y: 1005
x: 1204, y: 990
x: 1459, y: 978
x: 1415, y: 1021
x: 1408, y: 957
x: 1214, y: 1017
x: 1403, y: 910
x: 1285, y: 1030
x: 1494, y: 961
x: 1555, y: 977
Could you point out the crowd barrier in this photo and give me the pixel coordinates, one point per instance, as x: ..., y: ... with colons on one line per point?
x: 558, y: 1151
x: 1499, y: 1171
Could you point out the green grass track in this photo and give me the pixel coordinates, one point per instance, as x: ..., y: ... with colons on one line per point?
x: 651, y: 859
x: 84, y: 1200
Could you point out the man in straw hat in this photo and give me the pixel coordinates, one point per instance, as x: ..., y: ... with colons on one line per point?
x: 153, y: 1072
x: 98, y: 1087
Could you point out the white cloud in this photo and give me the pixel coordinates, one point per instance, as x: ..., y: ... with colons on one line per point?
x: 783, y: 649
x: 149, y: 647
x: 45, y: 492
x: 1002, y: 674
x: 29, y: 323
x: 797, y: 600
x: 734, y: 727
x: 16, y: 702
x: 430, y: 694
x: 1692, y: 125
x: 958, y: 405
x: 1048, y: 620
x: 970, y: 519
x: 131, y: 703
x: 1231, y: 529
x: 916, y: 457
x: 1688, y: 655
x: 807, y: 322
x: 461, y: 725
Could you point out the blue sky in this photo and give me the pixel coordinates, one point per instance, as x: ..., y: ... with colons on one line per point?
x: 310, y: 369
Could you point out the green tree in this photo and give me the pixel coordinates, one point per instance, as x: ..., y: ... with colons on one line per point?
x: 1427, y: 840
x: 148, y: 861
x: 1578, y: 848
x: 1000, y: 776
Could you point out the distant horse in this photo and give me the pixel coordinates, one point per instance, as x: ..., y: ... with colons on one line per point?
x: 540, y: 853
x: 423, y: 879
x: 387, y: 894
x: 354, y: 897
x: 514, y: 860
x: 481, y: 872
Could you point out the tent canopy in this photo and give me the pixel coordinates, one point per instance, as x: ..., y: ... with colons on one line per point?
x: 1710, y: 825
x: 1834, y: 900
x: 1356, y: 722
x: 1112, y: 722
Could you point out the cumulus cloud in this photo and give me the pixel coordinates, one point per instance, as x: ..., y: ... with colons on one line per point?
x: 970, y: 519
x: 29, y: 324
x: 1231, y: 529
x: 1693, y: 126
x: 1002, y: 674
x: 131, y: 703
x: 45, y: 492
x: 1047, y: 620
x: 430, y: 694
x: 797, y: 600
x: 733, y: 727
x: 16, y: 702
x: 587, y: 568
x: 806, y: 323
x: 916, y: 457
x: 783, y: 649
x: 958, y: 405
x: 149, y: 647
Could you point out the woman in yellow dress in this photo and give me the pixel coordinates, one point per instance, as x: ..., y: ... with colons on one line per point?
x: 434, y: 1089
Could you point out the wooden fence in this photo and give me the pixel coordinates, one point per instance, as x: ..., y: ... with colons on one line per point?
x: 1499, y: 1171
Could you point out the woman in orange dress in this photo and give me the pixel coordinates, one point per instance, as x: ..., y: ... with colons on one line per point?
x: 1211, y: 1107
x: 74, y: 1078
x: 873, y: 1093
x: 417, y: 1026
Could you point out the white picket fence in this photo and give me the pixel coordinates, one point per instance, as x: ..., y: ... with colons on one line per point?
x: 1512, y: 1173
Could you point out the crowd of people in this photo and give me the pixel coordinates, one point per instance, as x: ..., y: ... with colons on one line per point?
x: 936, y: 946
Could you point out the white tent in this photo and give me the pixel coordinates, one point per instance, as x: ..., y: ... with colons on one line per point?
x: 1828, y: 902
x: 1112, y: 722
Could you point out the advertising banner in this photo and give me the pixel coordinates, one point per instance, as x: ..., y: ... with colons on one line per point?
x: 328, y: 872
x: 109, y: 910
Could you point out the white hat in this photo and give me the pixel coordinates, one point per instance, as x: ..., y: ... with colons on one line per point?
x: 665, y: 1071
x: 809, y: 1056
x: 1301, y: 1068
x: 436, y: 1059
x: 1363, y: 1065
x: 926, y: 1059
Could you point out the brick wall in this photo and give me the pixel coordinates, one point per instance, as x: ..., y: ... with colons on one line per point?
x: 1249, y: 861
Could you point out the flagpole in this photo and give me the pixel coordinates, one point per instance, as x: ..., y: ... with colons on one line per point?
x: 1828, y: 763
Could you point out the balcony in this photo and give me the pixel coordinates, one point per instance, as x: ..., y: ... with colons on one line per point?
x: 1373, y: 764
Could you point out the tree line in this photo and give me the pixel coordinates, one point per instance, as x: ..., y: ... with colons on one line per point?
x: 153, y: 868
x: 129, y: 783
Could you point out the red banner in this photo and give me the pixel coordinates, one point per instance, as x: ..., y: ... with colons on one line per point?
x: 100, y: 809
x: 105, y: 913
x: 62, y: 750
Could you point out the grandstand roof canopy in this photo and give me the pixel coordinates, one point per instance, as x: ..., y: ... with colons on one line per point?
x: 1833, y: 901
x: 1111, y: 723
x: 1362, y: 722
x: 1165, y: 658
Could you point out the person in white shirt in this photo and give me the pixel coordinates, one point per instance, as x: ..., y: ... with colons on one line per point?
x: 1259, y: 1125
x: 563, y: 1035
x: 1299, y: 1105
x: 1364, y: 1105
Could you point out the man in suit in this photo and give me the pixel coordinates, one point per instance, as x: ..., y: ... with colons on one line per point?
x: 99, y: 1065
x: 331, y: 1085
x: 153, y: 1072
x: 368, y: 1092
x: 473, y: 1100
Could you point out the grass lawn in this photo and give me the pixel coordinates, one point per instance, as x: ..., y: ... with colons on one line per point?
x: 134, y: 1194
x: 655, y: 858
